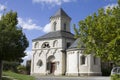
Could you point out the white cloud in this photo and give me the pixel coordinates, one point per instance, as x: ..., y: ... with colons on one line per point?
x: 111, y: 6
x: 2, y: 7
x: 28, y: 24
x: 47, y: 28
x: 0, y: 16
x: 27, y: 57
x: 52, y: 2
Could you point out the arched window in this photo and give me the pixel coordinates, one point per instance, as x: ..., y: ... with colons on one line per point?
x: 45, y: 45
x: 64, y: 26
x: 54, y: 25
x: 36, y: 45
x: 39, y: 63
x: 55, y: 43
x: 83, y: 59
x: 95, y: 60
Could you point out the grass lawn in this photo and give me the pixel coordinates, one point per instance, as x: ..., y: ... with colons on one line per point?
x: 4, y: 78
x: 17, y: 76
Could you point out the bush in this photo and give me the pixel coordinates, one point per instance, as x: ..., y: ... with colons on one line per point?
x: 115, y: 77
x: 10, y: 66
x: 21, y: 69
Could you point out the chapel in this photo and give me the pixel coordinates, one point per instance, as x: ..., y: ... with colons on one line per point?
x: 57, y: 53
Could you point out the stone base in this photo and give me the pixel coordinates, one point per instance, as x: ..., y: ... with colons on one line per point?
x: 67, y: 74
x: 95, y: 74
x: 90, y: 74
x: 83, y: 74
x: 46, y: 74
x: 72, y: 74
x: 38, y: 74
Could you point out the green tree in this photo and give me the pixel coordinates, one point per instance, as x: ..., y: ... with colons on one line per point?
x: 100, y: 34
x: 13, y: 41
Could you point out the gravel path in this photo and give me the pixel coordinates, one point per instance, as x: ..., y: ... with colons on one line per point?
x: 73, y: 78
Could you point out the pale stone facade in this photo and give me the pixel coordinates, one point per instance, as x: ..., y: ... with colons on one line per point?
x: 56, y: 53
x: 79, y: 64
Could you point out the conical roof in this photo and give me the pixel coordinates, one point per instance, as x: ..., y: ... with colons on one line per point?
x: 61, y: 13
x: 77, y: 43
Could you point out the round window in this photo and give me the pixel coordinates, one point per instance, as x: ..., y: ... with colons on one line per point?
x: 39, y: 63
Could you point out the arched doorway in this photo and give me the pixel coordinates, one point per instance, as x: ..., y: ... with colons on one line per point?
x: 51, y: 64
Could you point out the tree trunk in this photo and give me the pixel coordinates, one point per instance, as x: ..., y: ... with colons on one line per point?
x: 0, y: 69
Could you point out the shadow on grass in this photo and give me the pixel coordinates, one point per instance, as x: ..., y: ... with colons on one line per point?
x: 5, y: 78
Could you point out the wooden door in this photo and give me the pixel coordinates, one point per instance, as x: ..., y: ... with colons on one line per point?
x: 52, y: 68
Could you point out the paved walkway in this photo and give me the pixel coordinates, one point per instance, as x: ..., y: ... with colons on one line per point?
x: 72, y: 78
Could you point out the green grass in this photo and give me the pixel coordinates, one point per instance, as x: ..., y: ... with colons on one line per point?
x: 17, y: 76
x: 5, y: 78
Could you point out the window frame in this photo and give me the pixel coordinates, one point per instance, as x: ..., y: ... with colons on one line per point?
x: 64, y: 25
x: 39, y: 63
x: 83, y: 60
x: 45, y: 45
x: 54, y: 26
x: 36, y: 45
x: 68, y: 44
x: 95, y: 60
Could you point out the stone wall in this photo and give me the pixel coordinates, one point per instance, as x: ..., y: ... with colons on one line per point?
x: 75, y: 66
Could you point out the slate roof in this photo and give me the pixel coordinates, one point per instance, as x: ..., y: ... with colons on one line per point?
x: 61, y: 13
x: 55, y: 34
x: 75, y: 44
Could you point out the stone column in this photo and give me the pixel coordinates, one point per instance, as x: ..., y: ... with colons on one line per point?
x: 32, y: 63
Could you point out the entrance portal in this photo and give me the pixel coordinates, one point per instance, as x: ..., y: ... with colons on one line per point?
x: 51, y: 65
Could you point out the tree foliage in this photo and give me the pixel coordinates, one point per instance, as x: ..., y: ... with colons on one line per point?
x: 13, y: 41
x: 100, y: 32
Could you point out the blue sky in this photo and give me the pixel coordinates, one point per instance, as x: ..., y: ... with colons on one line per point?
x: 33, y: 15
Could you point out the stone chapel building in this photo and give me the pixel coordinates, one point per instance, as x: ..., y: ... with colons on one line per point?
x: 56, y: 52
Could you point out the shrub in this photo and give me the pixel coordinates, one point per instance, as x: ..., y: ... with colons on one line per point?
x: 21, y: 69
x: 10, y: 66
x: 115, y: 77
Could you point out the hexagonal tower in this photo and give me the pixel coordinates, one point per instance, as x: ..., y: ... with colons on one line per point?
x: 60, y: 21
